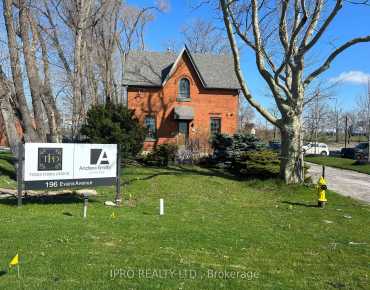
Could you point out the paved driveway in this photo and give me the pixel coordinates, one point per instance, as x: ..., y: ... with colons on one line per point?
x: 344, y: 182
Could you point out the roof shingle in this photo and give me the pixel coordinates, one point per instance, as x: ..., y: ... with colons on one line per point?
x: 145, y: 68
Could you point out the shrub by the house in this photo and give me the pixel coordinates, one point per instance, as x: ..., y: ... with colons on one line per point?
x: 245, y: 155
x: 114, y: 124
x: 162, y: 155
x: 228, y: 148
x: 262, y: 164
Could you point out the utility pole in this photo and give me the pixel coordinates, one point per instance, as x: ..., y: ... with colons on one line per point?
x: 336, y: 113
x: 316, y: 120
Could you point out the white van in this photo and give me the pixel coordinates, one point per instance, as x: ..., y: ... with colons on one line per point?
x: 316, y: 149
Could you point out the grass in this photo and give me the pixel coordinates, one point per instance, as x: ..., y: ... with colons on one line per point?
x: 338, y: 162
x: 268, y: 234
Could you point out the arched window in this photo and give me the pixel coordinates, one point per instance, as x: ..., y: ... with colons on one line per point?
x: 184, y: 88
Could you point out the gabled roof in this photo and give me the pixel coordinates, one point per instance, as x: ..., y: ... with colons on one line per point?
x: 153, y: 69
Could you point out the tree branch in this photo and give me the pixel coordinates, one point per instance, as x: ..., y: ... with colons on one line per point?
x: 283, y: 33
x: 338, y: 6
x: 332, y: 56
x: 238, y: 71
x: 260, y: 60
x: 247, y: 41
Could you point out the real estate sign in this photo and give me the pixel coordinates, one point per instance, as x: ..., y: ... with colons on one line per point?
x: 52, y: 165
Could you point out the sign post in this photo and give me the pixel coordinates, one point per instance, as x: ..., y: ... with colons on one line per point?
x: 20, y: 173
x: 118, y: 198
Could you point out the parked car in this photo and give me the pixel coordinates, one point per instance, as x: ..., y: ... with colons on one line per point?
x: 361, y: 151
x: 316, y: 149
x: 275, y: 146
x: 348, y: 153
x: 362, y: 148
x: 335, y: 153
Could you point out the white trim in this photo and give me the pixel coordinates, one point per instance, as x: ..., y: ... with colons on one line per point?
x: 174, y: 66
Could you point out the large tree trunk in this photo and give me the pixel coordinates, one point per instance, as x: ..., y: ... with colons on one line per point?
x: 76, y: 114
x: 291, y: 166
x: 7, y: 113
x: 32, y: 71
x: 51, y: 109
x: 26, y: 120
x: 83, y: 10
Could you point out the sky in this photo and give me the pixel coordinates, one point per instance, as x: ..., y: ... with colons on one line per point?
x: 351, y: 69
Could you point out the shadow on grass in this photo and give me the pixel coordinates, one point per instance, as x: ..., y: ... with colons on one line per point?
x: 65, y: 198
x: 186, y: 171
x: 299, y: 204
x: 337, y: 285
x: 2, y: 273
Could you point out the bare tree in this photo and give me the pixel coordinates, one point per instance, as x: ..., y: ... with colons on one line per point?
x: 77, y: 47
x: 315, y: 117
x: 362, y: 109
x: 7, y: 113
x: 29, y: 52
x: 22, y: 108
x: 130, y: 36
x: 281, y: 34
x: 246, y: 116
x: 203, y: 36
x: 104, y: 37
x: 78, y: 15
x: 363, y: 113
x: 52, y: 112
x: 41, y: 91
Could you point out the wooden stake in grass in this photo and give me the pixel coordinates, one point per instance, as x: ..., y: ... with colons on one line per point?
x: 86, y: 201
x: 161, y: 206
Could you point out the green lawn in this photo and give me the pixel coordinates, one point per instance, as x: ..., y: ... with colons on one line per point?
x: 267, y: 234
x: 338, y: 162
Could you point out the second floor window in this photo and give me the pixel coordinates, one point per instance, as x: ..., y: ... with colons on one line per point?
x: 150, y: 126
x: 184, y: 88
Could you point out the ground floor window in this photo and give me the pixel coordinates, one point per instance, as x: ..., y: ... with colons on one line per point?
x: 215, y: 125
x: 150, y: 126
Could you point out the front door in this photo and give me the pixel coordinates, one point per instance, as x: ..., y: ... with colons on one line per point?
x: 183, y: 133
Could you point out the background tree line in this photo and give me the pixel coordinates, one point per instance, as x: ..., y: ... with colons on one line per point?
x: 59, y: 57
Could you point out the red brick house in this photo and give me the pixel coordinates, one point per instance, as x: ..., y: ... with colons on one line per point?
x: 182, y: 97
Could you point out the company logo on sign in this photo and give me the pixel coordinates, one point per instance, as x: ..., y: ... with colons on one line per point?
x: 98, y: 157
x: 49, y: 159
